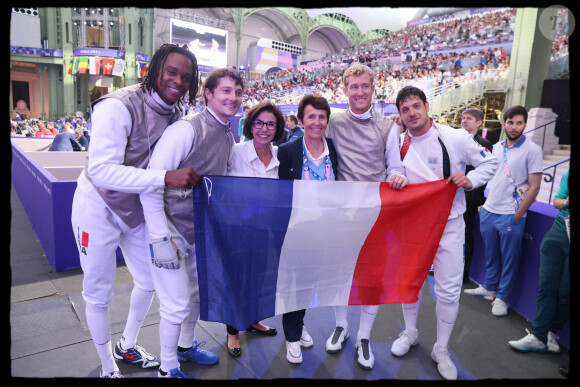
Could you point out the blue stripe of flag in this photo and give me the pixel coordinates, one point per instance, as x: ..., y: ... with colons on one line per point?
x: 239, y: 271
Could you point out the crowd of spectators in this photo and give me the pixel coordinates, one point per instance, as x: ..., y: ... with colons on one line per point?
x: 36, y: 127
x: 457, y: 34
x: 559, y: 46
x: 560, y: 43
x: 431, y: 70
x: 428, y: 55
x: 414, y: 46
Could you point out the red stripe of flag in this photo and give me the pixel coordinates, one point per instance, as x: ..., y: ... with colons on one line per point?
x: 144, y: 70
x: 97, y: 65
x: 398, y: 252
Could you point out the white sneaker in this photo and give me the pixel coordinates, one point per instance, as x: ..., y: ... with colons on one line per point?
x: 306, y: 339
x: 111, y: 375
x: 444, y: 364
x: 402, y: 345
x: 528, y: 343
x: 336, y: 340
x: 293, y: 352
x: 365, y: 357
x: 553, y: 343
x: 481, y: 292
x: 499, y: 308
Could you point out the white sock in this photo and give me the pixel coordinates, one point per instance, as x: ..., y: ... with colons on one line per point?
x: 168, y: 335
x: 410, y: 313
x: 446, y: 316
x: 138, y: 308
x: 100, y: 327
x: 340, y: 313
x: 367, y: 318
x: 187, y: 333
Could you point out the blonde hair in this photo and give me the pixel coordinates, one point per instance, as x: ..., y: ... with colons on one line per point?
x: 356, y: 70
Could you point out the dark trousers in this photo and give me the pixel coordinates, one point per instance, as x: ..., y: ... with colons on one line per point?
x: 553, y: 300
x: 469, y: 217
x: 233, y: 331
x: 292, y: 322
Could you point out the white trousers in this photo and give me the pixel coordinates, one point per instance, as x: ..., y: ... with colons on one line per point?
x: 99, y: 232
x: 449, y: 261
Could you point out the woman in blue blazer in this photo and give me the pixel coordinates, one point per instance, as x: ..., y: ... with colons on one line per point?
x: 310, y: 157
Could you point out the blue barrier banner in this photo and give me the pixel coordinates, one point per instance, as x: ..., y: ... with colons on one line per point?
x: 99, y: 52
x: 35, y: 51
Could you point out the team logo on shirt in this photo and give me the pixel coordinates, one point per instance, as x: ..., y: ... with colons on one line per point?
x: 83, y: 240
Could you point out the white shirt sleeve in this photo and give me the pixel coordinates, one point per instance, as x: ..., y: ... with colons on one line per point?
x: 110, y: 129
x: 393, y: 154
x: 171, y: 149
x: 485, y: 162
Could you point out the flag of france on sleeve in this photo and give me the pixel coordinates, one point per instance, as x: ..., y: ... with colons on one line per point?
x: 266, y: 247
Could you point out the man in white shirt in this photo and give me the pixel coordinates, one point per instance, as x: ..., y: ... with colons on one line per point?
x: 106, y: 212
x: 432, y: 152
x: 204, y: 142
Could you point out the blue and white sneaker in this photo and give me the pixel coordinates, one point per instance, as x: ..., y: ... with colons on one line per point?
x: 529, y: 343
x: 175, y: 373
x: 197, y: 355
x: 136, y: 355
x: 306, y: 339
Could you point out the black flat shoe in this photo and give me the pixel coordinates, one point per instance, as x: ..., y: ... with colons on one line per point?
x: 234, y: 352
x: 269, y: 332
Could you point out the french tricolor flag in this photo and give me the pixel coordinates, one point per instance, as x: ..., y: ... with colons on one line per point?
x: 265, y: 247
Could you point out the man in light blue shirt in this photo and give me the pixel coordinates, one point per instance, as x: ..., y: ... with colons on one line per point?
x: 512, y: 190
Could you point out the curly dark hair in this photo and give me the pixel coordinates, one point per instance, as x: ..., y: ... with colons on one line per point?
x: 155, y: 69
x: 409, y: 91
x: 255, y: 111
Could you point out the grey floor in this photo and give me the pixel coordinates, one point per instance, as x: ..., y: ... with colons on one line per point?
x: 50, y: 338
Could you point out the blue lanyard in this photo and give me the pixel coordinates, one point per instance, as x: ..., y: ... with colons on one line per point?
x: 307, y: 169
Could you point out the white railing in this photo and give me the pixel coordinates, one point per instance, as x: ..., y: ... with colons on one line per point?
x: 446, y: 98
x: 559, y: 67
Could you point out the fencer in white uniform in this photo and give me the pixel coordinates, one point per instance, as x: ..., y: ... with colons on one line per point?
x: 432, y: 152
x: 106, y: 212
x: 366, y: 145
x: 204, y: 142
